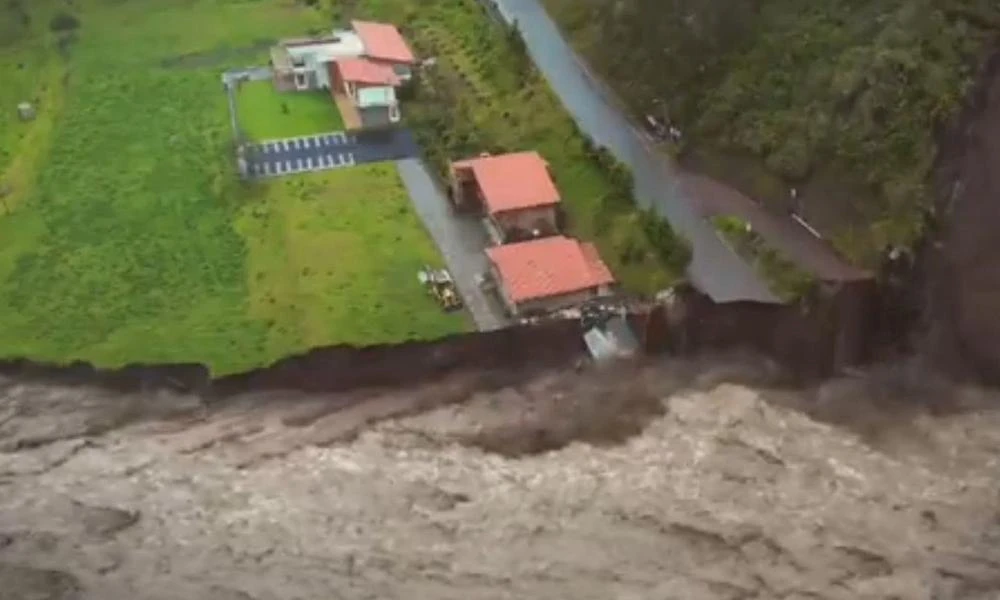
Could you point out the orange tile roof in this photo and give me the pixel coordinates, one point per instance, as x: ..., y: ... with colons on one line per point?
x: 548, y: 267
x: 384, y: 42
x: 513, y: 181
x: 362, y: 70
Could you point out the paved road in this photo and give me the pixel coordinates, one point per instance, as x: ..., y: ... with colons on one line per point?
x: 287, y: 156
x: 782, y: 232
x: 461, y: 240
x: 715, y: 268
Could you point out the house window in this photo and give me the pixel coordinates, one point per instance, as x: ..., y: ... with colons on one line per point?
x: 300, y: 80
x: 393, y: 113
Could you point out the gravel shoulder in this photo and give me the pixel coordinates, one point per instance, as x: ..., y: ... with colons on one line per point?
x: 672, y: 480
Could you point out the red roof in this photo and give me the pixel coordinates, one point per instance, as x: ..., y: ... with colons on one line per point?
x: 548, y: 267
x: 513, y: 181
x: 383, y: 42
x: 362, y: 70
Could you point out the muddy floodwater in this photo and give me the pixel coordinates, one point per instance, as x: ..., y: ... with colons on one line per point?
x: 672, y: 480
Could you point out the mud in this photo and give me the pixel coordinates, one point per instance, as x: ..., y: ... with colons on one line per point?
x: 688, y: 479
x: 963, y: 282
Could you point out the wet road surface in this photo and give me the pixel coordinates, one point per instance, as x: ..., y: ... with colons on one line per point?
x: 715, y: 268
x: 461, y: 240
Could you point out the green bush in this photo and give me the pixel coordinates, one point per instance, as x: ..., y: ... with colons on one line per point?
x: 785, y: 278
x: 63, y: 22
x: 672, y: 250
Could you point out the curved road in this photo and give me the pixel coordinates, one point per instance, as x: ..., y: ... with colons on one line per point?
x: 715, y: 268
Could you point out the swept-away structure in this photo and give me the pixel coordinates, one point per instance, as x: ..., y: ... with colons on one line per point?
x: 514, y: 192
x: 362, y: 67
x: 548, y: 274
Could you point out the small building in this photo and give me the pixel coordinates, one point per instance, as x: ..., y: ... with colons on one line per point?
x: 612, y: 339
x: 361, y: 67
x: 25, y: 111
x: 303, y: 64
x: 384, y: 44
x: 365, y: 92
x: 548, y: 274
x: 515, y: 193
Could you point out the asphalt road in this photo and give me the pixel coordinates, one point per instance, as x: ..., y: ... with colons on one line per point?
x: 461, y: 240
x: 271, y: 158
x: 715, y: 268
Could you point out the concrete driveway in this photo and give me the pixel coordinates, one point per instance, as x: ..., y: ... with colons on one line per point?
x: 461, y: 240
x: 246, y: 74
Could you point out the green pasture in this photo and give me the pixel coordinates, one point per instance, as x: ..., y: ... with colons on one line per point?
x: 126, y: 236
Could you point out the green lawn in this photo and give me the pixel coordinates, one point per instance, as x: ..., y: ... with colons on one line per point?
x: 266, y: 113
x: 126, y: 236
x: 333, y: 256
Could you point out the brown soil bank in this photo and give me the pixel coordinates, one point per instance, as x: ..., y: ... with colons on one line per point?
x: 337, y: 368
x: 811, y: 342
x: 964, y: 264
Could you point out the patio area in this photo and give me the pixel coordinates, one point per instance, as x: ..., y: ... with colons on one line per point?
x: 348, y: 112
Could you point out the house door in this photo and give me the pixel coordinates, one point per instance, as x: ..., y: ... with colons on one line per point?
x: 300, y: 81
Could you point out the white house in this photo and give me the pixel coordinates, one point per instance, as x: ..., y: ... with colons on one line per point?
x: 305, y: 63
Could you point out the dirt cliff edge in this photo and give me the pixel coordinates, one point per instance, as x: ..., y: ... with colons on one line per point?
x: 963, y: 272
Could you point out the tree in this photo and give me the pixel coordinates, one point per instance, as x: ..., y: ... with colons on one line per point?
x: 672, y: 250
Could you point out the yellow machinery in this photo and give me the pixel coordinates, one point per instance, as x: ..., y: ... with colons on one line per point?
x: 441, y: 286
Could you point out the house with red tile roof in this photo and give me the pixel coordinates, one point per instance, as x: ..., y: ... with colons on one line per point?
x: 361, y: 67
x: 547, y: 274
x: 384, y: 44
x: 515, y: 192
x: 365, y: 92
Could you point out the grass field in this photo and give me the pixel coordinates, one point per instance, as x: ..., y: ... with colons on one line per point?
x: 265, y: 113
x: 126, y: 234
x: 334, y: 256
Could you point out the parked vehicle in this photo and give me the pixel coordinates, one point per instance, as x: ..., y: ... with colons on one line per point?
x: 657, y: 128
